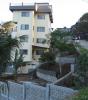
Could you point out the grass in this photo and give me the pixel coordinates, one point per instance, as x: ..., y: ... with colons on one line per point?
x: 82, y: 95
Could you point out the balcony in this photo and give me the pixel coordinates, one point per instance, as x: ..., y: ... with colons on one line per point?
x: 40, y: 45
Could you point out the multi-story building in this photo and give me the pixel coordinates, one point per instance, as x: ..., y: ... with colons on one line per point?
x: 33, y: 26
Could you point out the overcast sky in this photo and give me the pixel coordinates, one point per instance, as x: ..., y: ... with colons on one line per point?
x: 65, y: 12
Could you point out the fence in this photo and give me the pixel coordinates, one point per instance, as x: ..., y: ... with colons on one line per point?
x: 31, y: 91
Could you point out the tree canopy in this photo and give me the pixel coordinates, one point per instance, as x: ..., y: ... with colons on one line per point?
x: 6, y: 45
x: 60, y: 42
x: 81, y: 27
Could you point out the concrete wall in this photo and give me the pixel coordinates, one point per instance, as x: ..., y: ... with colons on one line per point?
x: 31, y: 91
x: 46, y: 75
x: 60, y: 93
x: 16, y: 91
x: 34, y: 92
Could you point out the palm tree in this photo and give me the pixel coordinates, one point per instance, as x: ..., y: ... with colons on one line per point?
x: 6, y: 45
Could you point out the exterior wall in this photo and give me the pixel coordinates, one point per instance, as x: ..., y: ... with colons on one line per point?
x: 31, y: 91
x: 32, y: 32
x: 42, y: 23
x: 25, y: 20
x: 83, y: 43
x: 25, y: 69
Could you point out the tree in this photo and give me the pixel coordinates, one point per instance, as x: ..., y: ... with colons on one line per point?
x: 6, y: 46
x: 82, y: 63
x: 18, y: 61
x: 59, y: 43
x: 47, y: 57
x: 81, y: 27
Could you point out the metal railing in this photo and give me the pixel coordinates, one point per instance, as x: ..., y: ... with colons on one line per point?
x: 20, y: 4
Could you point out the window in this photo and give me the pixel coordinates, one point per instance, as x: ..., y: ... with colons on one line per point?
x: 41, y: 17
x: 25, y: 14
x: 40, y: 29
x: 24, y: 38
x: 41, y: 40
x: 39, y: 52
x: 24, y: 27
x: 24, y: 51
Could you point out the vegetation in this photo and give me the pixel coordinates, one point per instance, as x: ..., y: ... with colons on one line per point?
x: 82, y: 68
x: 82, y: 95
x: 18, y: 61
x: 59, y: 43
x: 59, y: 40
x: 81, y: 27
x: 47, y: 57
x: 7, y: 43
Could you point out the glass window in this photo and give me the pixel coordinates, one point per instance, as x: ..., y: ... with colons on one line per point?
x: 24, y: 38
x: 24, y: 27
x: 24, y: 51
x: 40, y: 29
x: 41, y: 40
x: 25, y: 14
x: 39, y: 52
x: 41, y: 17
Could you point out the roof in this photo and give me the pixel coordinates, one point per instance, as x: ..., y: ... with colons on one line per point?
x: 44, y: 9
x: 41, y: 8
x: 18, y: 8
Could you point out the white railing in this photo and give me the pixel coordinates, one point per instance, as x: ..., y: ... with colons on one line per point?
x: 21, y: 4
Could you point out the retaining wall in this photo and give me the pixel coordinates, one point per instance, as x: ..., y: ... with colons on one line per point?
x: 31, y: 91
x: 46, y: 75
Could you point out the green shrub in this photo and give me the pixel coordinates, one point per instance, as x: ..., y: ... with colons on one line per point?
x: 82, y: 95
x: 47, y: 57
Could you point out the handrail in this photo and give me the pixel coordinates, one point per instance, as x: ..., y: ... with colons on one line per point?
x: 63, y: 78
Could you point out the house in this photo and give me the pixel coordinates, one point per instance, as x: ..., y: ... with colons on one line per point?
x: 33, y: 26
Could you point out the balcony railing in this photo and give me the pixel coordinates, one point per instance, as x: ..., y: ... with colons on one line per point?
x: 21, y: 4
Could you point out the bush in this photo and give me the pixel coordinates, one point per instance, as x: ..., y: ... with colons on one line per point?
x: 47, y: 57
x: 82, y: 95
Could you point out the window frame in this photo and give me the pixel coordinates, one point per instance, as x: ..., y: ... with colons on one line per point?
x: 24, y: 27
x: 22, y: 51
x: 24, y: 38
x: 38, y: 52
x: 41, y: 40
x: 40, y: 29
x: 25, y: 14
x: 41, y: 17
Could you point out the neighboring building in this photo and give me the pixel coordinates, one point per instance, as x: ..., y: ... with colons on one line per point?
x: 33, y: 25
x: 65, y: 29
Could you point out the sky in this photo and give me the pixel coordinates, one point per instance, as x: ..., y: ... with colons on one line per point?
x: 65, y: 12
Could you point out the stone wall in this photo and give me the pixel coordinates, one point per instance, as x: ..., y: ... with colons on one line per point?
x: 31, y: 91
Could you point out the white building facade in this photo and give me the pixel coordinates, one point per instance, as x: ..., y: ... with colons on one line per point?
x: 33, y: 26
